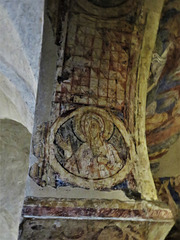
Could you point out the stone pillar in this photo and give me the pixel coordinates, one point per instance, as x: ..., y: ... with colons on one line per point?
x: 90, y: 156
x: 14, y: 152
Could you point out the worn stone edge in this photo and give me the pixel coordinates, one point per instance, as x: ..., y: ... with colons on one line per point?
x: 96, y: 208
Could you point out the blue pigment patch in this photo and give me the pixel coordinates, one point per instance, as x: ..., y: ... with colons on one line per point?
x: 166, y: 84
x: 60, y: 183
x: 169, y: 14
x: 160, y: 108
x: 173, y: 193
x: 120, y: 186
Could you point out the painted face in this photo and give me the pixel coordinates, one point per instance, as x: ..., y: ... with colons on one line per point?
x: 93, y: 128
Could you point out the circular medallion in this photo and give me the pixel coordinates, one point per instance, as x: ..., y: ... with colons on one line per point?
x: 89, y: 148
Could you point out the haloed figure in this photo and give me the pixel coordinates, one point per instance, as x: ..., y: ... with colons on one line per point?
x: 95, y: 158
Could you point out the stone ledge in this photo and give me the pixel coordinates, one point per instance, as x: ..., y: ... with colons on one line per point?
x: 96, y: 209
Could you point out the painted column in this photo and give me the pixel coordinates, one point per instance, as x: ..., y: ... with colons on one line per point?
x: 91, y: 154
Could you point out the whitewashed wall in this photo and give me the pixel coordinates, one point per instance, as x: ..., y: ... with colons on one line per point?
x: 21, y: 25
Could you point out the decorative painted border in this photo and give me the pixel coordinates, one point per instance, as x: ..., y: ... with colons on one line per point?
x: 98, y: 209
